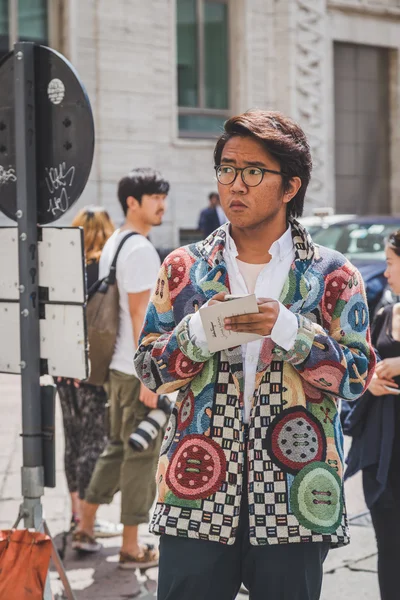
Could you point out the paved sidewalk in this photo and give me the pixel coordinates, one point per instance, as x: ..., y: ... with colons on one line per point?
x: 350, y: 573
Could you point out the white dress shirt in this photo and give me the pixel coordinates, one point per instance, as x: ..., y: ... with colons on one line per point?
x: 269, y: 284
x: 221, y: 215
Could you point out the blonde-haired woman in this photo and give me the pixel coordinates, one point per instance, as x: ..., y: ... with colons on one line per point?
x: 83, y: 405
x: 97, y: 228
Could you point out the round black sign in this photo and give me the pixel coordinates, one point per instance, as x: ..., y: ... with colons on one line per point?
x: 64, y: 136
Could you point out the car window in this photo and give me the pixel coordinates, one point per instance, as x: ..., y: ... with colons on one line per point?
x: 357, y: 240
x: 312, y: 229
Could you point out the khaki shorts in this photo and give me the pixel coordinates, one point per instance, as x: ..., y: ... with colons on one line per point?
x: 120, y: 467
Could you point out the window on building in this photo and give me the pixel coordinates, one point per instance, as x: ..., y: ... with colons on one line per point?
x: 32, y: 21
x: 4, y: 41
x: 28, y: 18
x: 362, y: 134
x: 203, y: 66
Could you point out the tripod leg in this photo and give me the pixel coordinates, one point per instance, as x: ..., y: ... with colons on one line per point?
x: 60, y: 567
x: 47, y: 595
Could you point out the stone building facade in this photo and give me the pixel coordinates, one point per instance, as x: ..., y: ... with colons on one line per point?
x: 334, y: 65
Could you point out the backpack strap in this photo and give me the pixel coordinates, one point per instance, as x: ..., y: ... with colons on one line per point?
x: 113, y: 269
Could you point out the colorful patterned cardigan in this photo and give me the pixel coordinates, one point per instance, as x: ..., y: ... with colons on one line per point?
x: 295, y: 442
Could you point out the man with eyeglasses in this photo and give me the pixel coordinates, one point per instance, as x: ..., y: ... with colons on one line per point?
x: 250, y: 474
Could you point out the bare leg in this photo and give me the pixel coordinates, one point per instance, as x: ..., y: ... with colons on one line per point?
x: 132, y: 553
x: 75, y: 505
x: 88, y: 517
x: 130, y: 543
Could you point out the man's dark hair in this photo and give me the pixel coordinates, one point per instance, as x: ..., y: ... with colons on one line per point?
x: 283, y: 138
x: 211, y: 195
x: 393, y: 241
x: 140, y: 182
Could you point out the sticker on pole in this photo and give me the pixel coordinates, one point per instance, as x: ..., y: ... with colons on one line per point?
x: 64, y: 134
x: 56, y: 91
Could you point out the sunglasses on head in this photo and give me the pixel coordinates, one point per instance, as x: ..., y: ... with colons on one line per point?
x: 90, y: 213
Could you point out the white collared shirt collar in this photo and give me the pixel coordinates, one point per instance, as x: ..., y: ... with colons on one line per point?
x: 279, y: 249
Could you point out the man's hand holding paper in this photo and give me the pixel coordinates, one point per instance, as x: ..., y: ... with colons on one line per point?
x: 261, y: 323
x: 237, y: 321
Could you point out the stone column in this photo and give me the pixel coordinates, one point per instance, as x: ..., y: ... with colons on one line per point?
x: 311, y: 94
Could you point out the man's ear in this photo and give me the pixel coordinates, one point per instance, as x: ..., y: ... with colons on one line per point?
x: 294, y: 186
x: 131, y: 202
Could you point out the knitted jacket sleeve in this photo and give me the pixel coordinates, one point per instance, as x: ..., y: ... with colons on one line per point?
x: 339, y: 359
x: 167, y: 357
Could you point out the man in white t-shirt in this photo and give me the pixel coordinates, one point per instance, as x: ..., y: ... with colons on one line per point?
x: 142, y: 195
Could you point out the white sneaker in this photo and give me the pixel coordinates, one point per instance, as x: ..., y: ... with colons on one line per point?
x: 106, y: 529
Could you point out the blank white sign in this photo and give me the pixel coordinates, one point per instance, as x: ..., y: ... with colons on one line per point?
x: 61, y: 264
x: 9, y: 338
x: 62, y: 340
x: 9, y: 263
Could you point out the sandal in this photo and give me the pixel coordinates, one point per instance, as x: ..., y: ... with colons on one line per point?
x: 83, y: 542
x: 147, y: 557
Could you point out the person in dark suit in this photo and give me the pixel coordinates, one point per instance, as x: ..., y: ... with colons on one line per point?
x: 211, y: 217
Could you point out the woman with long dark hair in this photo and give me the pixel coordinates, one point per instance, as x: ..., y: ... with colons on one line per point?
x: 374, y: 424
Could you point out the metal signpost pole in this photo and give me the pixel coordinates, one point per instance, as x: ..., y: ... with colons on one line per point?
x: 25, y: 141
x: 47, y: 141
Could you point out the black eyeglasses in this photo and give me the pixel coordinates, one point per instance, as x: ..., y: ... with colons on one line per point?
x: 251, y: 176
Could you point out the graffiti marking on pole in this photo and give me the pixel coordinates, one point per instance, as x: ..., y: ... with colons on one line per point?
x: 58, y: 179
x: 8, y: 176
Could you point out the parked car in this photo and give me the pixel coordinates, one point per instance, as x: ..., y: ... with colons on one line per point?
x: 323, y: 218
x: 362, y: 240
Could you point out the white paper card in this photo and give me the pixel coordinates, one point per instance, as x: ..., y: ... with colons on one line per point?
x: 212, y: 317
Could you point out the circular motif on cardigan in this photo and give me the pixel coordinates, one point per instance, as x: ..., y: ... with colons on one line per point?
x: 355, y: 315
x: 169, y: 432
x: 161, y: 297
x: 314, y: 294
x: 186, y: 412
x: 335, y: 284
x: 312, y: 393
x: 295, y: 439
x: 197, y: 468
x: 316, y: 498
x: 178, y: 273
x: 332, y: 378
x: 182, y: 367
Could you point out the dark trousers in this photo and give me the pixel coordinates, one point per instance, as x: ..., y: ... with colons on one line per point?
x: 385, y: 515
x: 191, y: 569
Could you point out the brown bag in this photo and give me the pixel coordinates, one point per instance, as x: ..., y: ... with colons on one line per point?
x: 24, y: 562
x: 102, y: 318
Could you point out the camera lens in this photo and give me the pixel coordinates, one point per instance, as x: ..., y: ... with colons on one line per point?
x: 150, y: 426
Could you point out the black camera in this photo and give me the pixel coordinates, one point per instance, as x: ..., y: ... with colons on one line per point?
x: 150, y: 426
